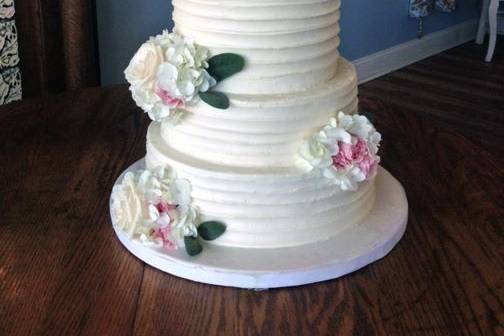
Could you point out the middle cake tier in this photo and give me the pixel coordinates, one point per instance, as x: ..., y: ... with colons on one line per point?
x: 262, y: 130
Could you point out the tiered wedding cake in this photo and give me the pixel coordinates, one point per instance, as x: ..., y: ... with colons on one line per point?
x: 242, y: 161
x: 255, y: 129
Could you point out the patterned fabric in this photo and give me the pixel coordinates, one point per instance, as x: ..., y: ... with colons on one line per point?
x: 422, y: 8
x: 10, y: 75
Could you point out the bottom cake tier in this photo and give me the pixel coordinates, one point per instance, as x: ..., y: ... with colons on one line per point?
x: 348, y: 251
x: 264, y: 208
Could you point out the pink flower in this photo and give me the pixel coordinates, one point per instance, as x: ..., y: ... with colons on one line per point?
x: 360, y: 150
x: 165, y: 207
x: 166, y: 218
x: 344, y: 157
x: 164, y: 235
x: 167, y: 99
x: 363, y: 159
x: 166, y: 214
x: 357, y: 155
x: 368, y: 166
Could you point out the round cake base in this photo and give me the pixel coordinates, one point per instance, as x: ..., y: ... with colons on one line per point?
x: 249, y: 268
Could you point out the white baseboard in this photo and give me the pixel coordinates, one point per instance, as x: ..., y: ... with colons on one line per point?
x: 385, y: 61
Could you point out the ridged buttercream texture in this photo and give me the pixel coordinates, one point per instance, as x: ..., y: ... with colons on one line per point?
x: 242, y: 161
x: 290, y: 46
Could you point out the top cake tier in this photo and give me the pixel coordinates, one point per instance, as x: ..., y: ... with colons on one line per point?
x: 289, y: 45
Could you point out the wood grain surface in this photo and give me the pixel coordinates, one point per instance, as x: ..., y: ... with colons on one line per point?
x: 63, y: 272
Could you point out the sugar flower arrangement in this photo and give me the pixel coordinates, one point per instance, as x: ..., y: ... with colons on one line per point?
x: 170, y: 71
x: 344, y: 151
x: 155, y: 208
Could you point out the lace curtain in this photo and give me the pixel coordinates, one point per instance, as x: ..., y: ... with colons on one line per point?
x: 10, y: 76
x: 422, y: 8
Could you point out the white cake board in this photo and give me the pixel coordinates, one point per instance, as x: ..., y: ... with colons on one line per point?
x: 249, y: 268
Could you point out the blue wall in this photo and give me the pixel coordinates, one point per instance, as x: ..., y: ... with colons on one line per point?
x: 367, y: 26
x: 123, y: 25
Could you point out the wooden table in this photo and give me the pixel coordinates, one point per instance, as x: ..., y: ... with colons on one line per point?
x: 63, y: 272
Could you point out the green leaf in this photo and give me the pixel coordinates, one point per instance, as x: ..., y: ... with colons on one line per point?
x: 225, y: 65
x: 192, y: 246
x: 216, y: 99
x: 211, y: 230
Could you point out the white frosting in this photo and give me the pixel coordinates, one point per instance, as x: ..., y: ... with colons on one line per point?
x: 242, y: 161
x: 264, y: 207
x: 242, y: 165
x: 289, y: 46
x: 261, y: 130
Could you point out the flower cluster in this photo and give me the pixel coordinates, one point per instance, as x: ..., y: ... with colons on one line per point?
x: 167, y: 73
x: 155, y: 207
x: 345, y: 151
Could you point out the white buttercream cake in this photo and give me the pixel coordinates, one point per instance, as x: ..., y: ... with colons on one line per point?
x: 243, y: 162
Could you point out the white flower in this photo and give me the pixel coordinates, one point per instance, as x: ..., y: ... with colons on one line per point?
x: 150, y: 186
x: 164, y: 39
x: 332, y: 135
x: 128, y: 207
x: 346, y: 179
x: 154, y: 208
x: 167, y: 73
x: 374, y: 141
x: 143, y: 67
x: 180, y: 191
x: 160, y: 112
x: 319, y: 149
x: 207, y: 81
x: 315, y: 153
x: 358, y: 125
x: 178, y: 84
x: 151, y: 201
x: 344, y: 151
x: 167, y: 76
x: 162, y: 220
x: 152, y: 104
x: 145, y: 98
x: 164, y: 175
x: 201, y: 56
x: 185, y: 224
x: 181, y: 51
